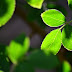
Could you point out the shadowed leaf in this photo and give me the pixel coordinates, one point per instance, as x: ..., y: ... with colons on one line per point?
x: 70, y: 3
x: 67, y: 37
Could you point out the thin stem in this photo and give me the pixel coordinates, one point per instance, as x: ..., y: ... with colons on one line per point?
x: 69, y: 21
x: 62, y: 26
x: 65, y: 24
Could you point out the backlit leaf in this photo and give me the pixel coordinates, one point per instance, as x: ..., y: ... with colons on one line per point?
x: 7, y: 8
x: 52, y: 42
x: 53, y: 17
x: 35, y: 3
x: 18, y: 48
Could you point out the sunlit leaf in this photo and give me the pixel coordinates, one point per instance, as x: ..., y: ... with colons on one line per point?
x: 66, y: 67
x: 18, y: 48
x: 52, y: 42
x: 67, y: 37
x: 70, y: 3
x: 35, y: 3
x: 7, y: 8
x: 53, y: 17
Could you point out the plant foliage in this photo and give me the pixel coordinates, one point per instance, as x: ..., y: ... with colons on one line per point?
x: 35, y: 3
x: 53, y: 17
x: 7, y: 8
x: 51, y: 44
x: 18, y: 48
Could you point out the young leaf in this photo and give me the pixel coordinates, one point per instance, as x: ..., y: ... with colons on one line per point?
x: 18, y: 48
x: 35, y: 3
x: 52, y: 42
x: 67, y: 37
x: 70, y: 3
x: 53, y: 17
x: 7, y: 8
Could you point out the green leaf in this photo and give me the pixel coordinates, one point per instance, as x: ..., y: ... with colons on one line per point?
x: 52, y: 42
x: 66, y: 67
x: 67, y: 37
x: 35, y: 3
x: 7, y: 8
x: 18, y: 48
x: 70, y: 3
x: 53, y: 18
x: 38, y: 59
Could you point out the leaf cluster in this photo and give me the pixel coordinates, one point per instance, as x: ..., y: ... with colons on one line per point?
x: 54, y: 18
